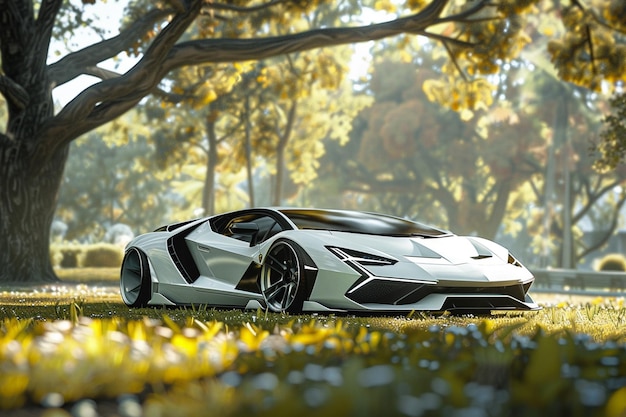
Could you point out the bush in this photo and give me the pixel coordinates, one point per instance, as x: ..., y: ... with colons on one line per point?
x: 66, y: 255
x: 102, y: 255
x: 612, y: 262
x: 98, y: 255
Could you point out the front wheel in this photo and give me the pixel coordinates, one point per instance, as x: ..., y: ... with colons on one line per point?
x: 135, y: 278
x: 282, y: 278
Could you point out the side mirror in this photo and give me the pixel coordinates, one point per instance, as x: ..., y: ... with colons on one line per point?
x: 246, y: 229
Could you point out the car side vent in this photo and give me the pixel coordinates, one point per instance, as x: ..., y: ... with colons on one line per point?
x: 181, y: 256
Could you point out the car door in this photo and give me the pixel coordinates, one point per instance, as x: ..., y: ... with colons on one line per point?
x: 231, y: 255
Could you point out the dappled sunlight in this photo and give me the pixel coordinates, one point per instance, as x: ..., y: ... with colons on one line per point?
x: 55, y: 293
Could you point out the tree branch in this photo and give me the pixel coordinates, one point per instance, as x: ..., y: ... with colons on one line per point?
x: 109, y: 99
x: 592, y: 199
x: 596, y: 18
x: 76, y: 63
x: 46, y: 17
x: 232, y: 50
x: 14, y: 93
x: 455, y: 62
x: 105, y: 74
x: 606, y: 236
x: 447, y: 40
x: 242, y: 9
x: 464, y: 16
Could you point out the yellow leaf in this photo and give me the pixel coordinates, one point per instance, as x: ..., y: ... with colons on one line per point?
x: 544, y: 366
x: 616, y: 406
x: 384, y: 5
x: 467, y: 115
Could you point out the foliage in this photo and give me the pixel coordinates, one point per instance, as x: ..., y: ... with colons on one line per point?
x: 95, y: 255
x: 102, y: 255
x: 414, y: 154
x: 111, y: 178
x: 513, y: 167
x: 266, y: 121
x: 66, y: 254
x: 591, y: 50
x: 206, y: 362
x: 477, y: 37
x: 611, y: 146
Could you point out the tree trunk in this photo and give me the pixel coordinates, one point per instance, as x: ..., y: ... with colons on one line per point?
x: 248, y: 140
x: 27, y: 206
x: 280, y: 154
x: 208, y: 192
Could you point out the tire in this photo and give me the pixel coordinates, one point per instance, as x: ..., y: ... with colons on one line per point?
x: 135, y: 280
x: 282, y: 278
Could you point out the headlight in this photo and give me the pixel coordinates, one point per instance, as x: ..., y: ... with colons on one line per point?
x: 362, y: 258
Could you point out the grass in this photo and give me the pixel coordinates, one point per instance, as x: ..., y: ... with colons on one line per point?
x: 89, y: 275
x: 76, y: 345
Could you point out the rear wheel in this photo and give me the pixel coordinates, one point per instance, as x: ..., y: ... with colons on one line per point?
x: 135, y: 278
x: 282, y: 278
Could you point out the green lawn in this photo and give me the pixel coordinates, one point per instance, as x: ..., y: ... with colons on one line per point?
x: 89, y: 275
x: 73, y: 346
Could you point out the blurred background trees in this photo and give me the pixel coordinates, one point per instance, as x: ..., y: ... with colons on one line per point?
x: 417, y: 133
x: 490, y: 118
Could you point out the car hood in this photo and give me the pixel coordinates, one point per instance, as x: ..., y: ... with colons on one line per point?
x: 450, y: 249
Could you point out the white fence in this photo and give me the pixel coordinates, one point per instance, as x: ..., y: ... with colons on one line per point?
x: 572, y: 281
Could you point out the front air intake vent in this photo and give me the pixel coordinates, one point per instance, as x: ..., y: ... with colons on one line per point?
x: 383, y: 291
x: 395, y: 292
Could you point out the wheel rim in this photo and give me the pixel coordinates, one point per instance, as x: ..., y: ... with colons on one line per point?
x: 281, y: 277
x: 132, y: 276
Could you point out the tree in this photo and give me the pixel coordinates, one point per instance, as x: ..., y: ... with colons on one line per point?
x: 481, y: 172
x: 34, y: 145
x: 105, y: 182
x: 610, y: 149
x: 569, y: 190
x: 281, y: 108
x: 417, y: 158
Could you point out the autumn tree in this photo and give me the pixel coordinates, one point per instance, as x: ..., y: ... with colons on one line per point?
x: 610, y: 146
x: 272, y: 118
x: 417, y: 158
x: 173, y: 34
x: 520, y: 165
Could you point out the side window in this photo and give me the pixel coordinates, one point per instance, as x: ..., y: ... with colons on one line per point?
x: 249, y: 218
x: 267, y: 225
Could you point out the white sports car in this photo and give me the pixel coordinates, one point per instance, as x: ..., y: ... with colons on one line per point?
x: 295, y: 259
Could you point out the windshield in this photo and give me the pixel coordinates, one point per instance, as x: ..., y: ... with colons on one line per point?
x: 359, y: 222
